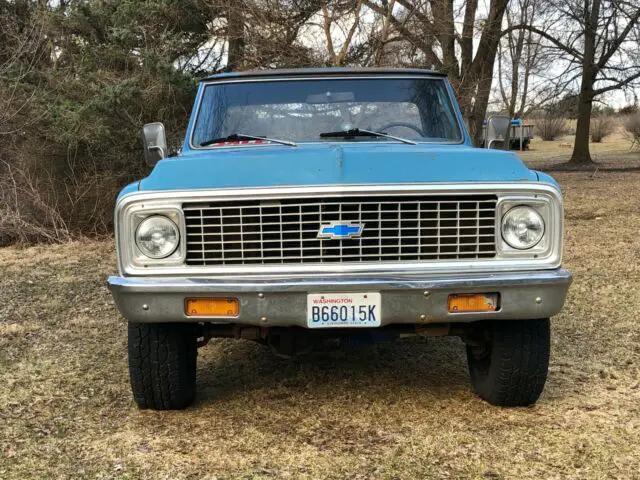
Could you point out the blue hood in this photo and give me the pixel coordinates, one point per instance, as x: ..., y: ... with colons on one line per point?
x: 335, y: 164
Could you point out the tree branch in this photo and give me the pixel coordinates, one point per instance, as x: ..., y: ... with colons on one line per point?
x: 617, y: 85
x: 633, y: 21
x: 416, y: 41
x: 565, y: 48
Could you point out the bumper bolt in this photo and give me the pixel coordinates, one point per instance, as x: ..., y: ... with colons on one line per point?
x: 145, y: 306
x: 263, y: 319
x: 423, y: 317
x: 426, y: 293
x: 260, y: 295
x: 538, y: 300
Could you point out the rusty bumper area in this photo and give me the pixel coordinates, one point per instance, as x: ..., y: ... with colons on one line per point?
x: 282, y: 302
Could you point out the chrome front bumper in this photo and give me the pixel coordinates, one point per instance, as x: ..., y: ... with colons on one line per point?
x: 409, y: 299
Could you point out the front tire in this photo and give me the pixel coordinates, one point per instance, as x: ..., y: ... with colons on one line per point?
x: 162, y: 365
x: 509, y: 364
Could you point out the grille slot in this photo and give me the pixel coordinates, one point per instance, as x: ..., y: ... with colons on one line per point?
x: 396, y: 228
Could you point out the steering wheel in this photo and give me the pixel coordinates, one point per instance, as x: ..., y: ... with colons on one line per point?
x: 402, y: 124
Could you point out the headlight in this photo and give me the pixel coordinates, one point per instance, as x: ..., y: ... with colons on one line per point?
x: 522, y: 227
x: 157, y: 237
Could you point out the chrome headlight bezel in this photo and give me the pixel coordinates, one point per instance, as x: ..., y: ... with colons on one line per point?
x: 129, y: 252
x: 549, y: 246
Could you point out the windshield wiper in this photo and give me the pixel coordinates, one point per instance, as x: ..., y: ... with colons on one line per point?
x: 359, y: 132
x: 234, y: 137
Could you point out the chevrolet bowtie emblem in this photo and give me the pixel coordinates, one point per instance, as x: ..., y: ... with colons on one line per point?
x: 340, y: 230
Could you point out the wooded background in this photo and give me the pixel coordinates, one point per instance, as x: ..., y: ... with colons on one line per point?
x: 79, y: 78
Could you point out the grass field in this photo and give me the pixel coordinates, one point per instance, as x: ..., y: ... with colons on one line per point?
x: 402, y: 410
x: 613, y: 146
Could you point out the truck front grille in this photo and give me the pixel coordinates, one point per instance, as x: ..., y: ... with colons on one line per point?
x: 396, y: 229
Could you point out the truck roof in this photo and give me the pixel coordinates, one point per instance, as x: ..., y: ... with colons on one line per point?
x: 325, y: 71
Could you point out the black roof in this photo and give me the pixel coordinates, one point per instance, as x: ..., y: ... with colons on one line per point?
x: 293, y: 72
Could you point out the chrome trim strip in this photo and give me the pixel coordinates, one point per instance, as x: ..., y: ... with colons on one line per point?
x: 204, y: 84
x: 296, y: 191
x: 139, y: 202
x: 303, y: 284
x: 282, y: 302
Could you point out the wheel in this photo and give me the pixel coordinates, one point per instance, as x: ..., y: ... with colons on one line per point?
x: 509, y: 364
x: 162, y: 365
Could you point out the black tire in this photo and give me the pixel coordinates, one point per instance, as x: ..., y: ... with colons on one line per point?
x: 510, y: 366
x: 162, y: 365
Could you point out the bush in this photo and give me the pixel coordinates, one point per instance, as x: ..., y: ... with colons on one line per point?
x: 629, y: 109
x: 632, y: 126
x: 600, y: 128
x: 602, y: 111
x: 549, y: 127
x: 70, y: 139
x: 26, y: 213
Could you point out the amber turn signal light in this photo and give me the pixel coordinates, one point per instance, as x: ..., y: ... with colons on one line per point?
x: 211, y: 307
x: 473, y: 302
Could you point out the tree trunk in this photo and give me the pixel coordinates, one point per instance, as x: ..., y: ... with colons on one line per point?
x: 480, y: 75
x: 581, y: 154
x: 481, y: 103
x: 235, y: 36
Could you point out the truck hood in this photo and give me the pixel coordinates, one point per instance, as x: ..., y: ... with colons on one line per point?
x: 334, y: 164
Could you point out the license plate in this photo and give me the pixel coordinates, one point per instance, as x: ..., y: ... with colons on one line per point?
x: 331, y: 310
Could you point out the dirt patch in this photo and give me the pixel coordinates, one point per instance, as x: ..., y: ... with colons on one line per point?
x: 401, y: 410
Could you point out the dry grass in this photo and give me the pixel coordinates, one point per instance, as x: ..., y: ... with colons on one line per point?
x: 612, y: 147
x: 401, y: 411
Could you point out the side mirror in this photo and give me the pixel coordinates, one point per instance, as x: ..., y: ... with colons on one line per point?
x: 154, y: 143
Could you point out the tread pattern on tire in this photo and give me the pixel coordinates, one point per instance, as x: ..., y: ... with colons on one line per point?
x: 162, y: 365
x: 518, y: 366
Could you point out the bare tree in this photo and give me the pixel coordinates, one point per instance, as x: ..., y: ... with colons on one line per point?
x: 431, y: 27
x: 236, y: 13
x: 520, y: 56
x: 599, y: 41
x: 384, y: 33
x: 272, y: 33
x: 346, y: 18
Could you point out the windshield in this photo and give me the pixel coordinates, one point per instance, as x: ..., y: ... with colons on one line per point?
x: 300, y: 110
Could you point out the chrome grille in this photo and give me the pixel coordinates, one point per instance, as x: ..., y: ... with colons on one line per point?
x: 396, y: 228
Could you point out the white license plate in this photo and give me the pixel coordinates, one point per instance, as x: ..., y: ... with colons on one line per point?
x: 331, y: 310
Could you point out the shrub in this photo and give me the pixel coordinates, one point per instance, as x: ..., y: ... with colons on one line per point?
x: 550, y: 127
x: 632, y: 126
x: 602, y: 111
x: 629, y: 109
x: 600, y: 128
x: 27, y: 213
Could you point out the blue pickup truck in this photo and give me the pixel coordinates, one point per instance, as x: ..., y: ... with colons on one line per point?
x: 321, y: 204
